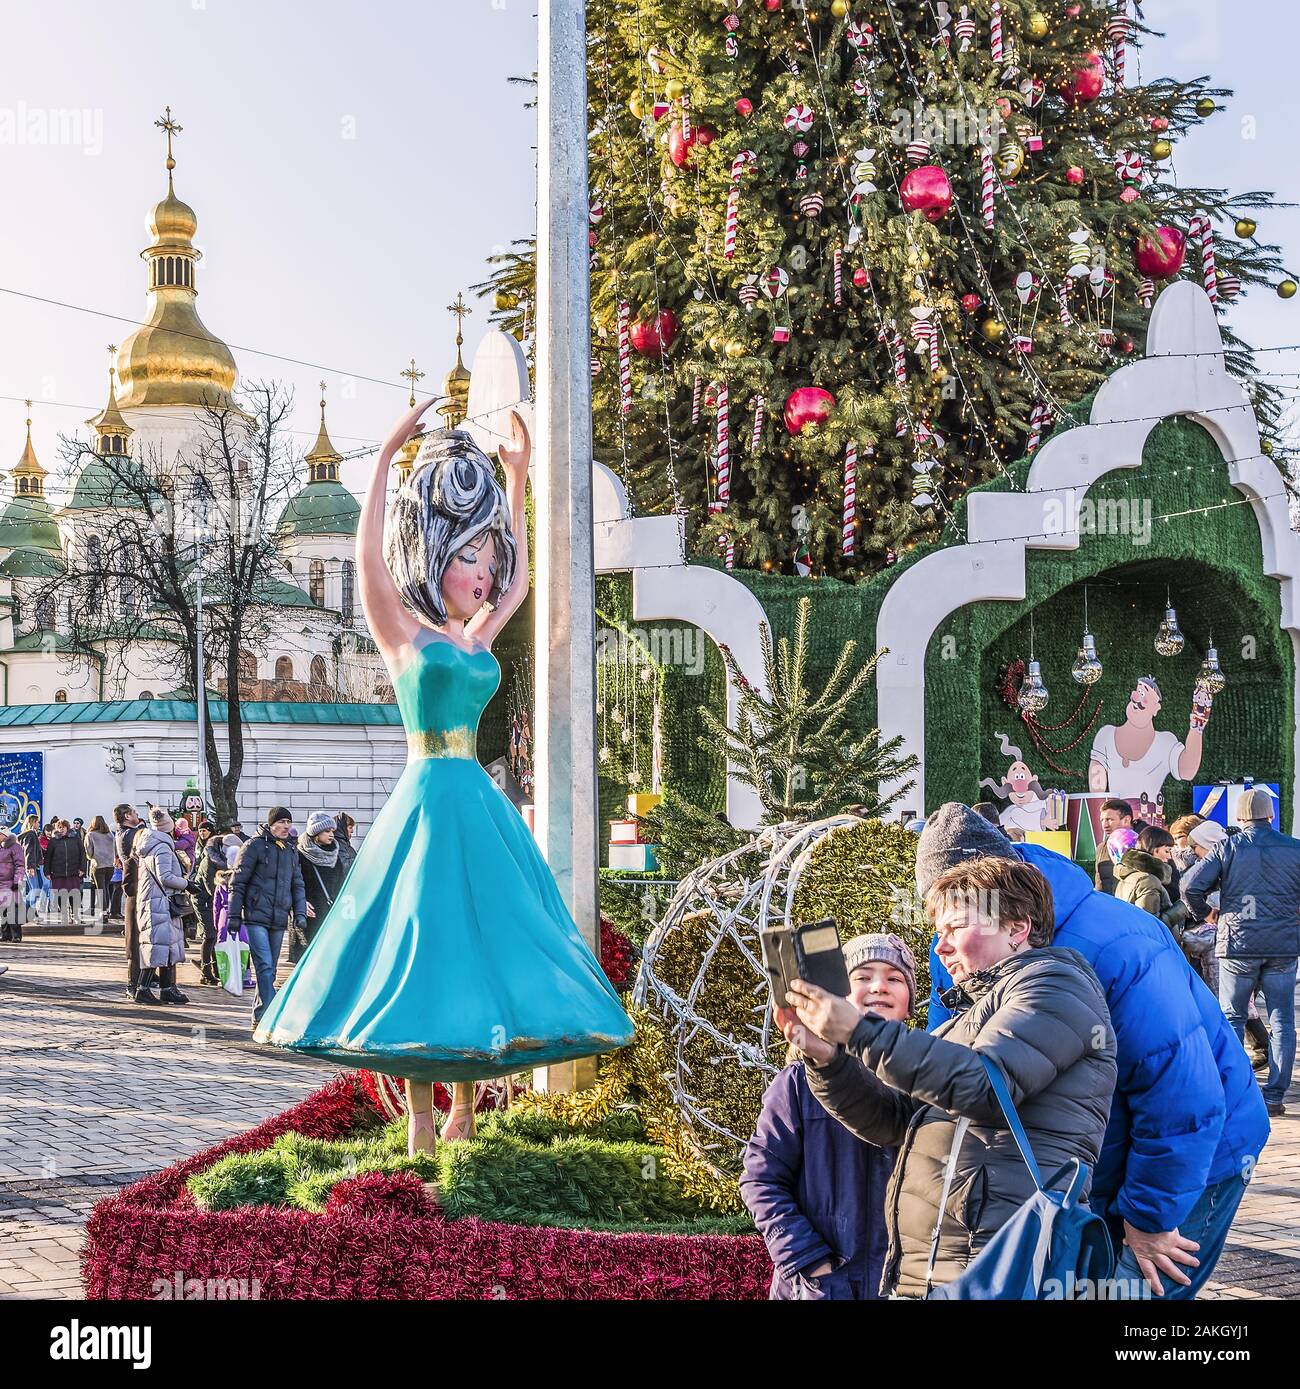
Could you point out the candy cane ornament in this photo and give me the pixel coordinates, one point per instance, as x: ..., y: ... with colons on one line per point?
x: 995, y: 32
x: 738, y: 166
x: 624, y: 358
x: 1203, y: 230
x: 686, y: 118
x: 724, y: 449
x: 837, y: 273
x: 1038, y: 418
x: 849, y: 516
x: 760, y: 409
x: 695, y: 399
x: 1117, y: 30
x: 986, y: 186
x: 1067, y: 318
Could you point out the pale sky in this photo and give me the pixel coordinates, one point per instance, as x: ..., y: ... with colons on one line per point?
x: 352, y: 168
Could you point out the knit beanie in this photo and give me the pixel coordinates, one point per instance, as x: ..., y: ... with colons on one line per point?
x: 231, y: 850
x: 278, y: 812
x: 1207, y: 834
x: 956, y: 834
x: 160, y: 820
x: 318, y: 822
x: 889, y: 948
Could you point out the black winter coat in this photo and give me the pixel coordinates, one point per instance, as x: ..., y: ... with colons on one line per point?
x: 321, y: 885
x: 31, y: 842
x: 65, y: 857
x: 267, y: 886
x: 1041, y: 1016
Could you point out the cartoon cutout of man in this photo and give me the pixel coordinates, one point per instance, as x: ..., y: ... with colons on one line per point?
x: 1027, y: 802
x: 1134, y: 758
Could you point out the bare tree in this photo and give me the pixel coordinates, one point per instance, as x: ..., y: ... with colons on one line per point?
x: 207, y: 509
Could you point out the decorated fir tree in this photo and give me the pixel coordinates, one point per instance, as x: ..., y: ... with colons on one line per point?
x: 849, y: 259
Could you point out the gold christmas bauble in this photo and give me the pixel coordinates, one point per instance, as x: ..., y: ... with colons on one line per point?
x: 735, y: 349
x: 1286, y: 290
x: 1011, y: 158
x: 1246, y: 226
x: 674, y: 88
x: 1267, y: 446
x: 1036, y: 24
x: 1206, y: 106
x: 503, y: 299
x: 1161, y: 149
x: 637, y: 107
x: 994, y: 329
x: 715, y: 342
x: 839, y: 8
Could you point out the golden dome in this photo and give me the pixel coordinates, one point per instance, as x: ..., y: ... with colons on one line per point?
x: 173, y: 359
x: 455, y: 385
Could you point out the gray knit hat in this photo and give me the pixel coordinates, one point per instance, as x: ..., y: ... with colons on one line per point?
x: 956, y: 834
x: 885, y: 946
x: 318, y: 822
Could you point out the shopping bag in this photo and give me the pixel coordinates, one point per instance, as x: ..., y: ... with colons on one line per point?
x: 230, y: 964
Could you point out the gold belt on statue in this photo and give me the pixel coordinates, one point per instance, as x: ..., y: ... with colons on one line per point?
x: 450, y: 742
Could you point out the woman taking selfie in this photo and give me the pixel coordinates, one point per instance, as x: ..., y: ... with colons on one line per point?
x: 1038, y: 1012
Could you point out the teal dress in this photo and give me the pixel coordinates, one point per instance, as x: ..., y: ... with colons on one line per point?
x: 448, y: 953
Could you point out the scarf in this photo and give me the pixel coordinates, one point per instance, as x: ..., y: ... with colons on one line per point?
x: 318, y: 853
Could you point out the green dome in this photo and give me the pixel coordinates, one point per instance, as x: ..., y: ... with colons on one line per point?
x: 321, y: 508
x: 101, y: 485
x: 32, y: 564
x: 28, y: 523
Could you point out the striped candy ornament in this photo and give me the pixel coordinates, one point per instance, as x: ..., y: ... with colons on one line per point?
x: 724, y: 448
x: 686, y: 118
x: 850, y: 512
x: 624, y: 357
x: 695, y: 399
x: 595, y: 367
x: 799, y: 119
x: 748, y: 292
x: 837, y: 275
x: 965, y: 30
x: 1146, y: 291
x: 1128, y: 166
x: 986, y: 187
x: 728, y: 550
x: 995, y: 32
x: 900, y: 359
x: 926, y: 336
x: 760, y: 411
x: 918, y: 151
x: 1038, y: 418
x: 1229, y: 286
x: 1203, y: 229
x: 811, y: 204
x: 1117, y: 31
x: 1067, y: 318
x: 732, y: 222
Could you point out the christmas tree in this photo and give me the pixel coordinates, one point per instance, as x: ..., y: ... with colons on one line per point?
x: 850, y: 259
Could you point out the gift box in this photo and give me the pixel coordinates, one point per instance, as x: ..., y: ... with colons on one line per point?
x: 641, y: 803
x: 624, y: 832
x: 633, y: 858
x: 1219, y: 803
x: 1056, y: 840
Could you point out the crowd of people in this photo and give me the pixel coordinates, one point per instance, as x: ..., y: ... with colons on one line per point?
x: 169, y: 883
x: 883, y: 1162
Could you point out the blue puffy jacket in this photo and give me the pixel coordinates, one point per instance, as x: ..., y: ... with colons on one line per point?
x: 1187, y: 1112
x: 816, y: 1192
x: 1257, y: 873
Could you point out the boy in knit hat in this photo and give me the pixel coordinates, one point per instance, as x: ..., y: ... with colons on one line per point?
x: 816, y: 1192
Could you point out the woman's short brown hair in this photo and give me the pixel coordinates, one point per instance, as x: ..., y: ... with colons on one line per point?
x: 1002, y: 889
x: 1184, y: 825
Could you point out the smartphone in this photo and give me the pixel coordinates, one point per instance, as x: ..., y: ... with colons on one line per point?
x: 811, y: 952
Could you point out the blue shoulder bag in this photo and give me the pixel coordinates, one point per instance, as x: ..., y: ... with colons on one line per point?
x: 1052, y: 1248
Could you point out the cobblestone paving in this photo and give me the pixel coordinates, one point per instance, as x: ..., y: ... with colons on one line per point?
x: 98, y: 1092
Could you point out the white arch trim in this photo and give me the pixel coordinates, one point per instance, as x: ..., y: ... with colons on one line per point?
x: 1183, y: 373
x: 664, y: 587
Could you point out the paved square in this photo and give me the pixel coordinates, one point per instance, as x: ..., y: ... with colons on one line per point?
x: 98, y: 1092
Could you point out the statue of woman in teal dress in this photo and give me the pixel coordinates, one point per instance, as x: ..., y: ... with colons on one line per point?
x: 449, y: 954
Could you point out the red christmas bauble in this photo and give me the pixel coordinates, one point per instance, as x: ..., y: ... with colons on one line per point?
x: 1159, y: 124
x: 861, y: 278
x: 926, y: 189
x: 1159, y: 254
x: 1074, y: 174
x: 705, y: 135
x: 773, y: 5
x: 807, y: 405
x: 650, y: 336
x: 679, y: 147
x: 744, y: 106
x: 1086, y: 82
x: 971, y: 302
x: 591, y: 238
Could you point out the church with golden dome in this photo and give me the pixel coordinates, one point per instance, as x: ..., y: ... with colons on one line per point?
x: 315, y: 673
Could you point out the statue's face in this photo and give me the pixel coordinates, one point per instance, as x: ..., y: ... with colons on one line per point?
x: 1018, y: 778
x: 1143, y: 703
x: 468, y: 579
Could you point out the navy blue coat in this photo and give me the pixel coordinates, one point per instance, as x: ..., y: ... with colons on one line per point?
x: 1187, y: 1112
x: 816, y: 1192
x: 1257, y: 873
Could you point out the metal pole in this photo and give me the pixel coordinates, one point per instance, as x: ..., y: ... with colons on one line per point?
x: 200, y: 686
x: 565, y: 785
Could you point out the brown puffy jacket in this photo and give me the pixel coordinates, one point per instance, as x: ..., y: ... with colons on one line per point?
x: 1041, y: 1016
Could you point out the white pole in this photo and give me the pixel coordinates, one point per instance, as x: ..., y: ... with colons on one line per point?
x: 565, y: 786
x: 200, y: 685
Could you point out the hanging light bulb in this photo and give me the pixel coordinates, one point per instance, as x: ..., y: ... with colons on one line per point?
x: 1169, y: 640
x: 1087, y: 667
x: 1211, y: 677
x: 1033, y: 693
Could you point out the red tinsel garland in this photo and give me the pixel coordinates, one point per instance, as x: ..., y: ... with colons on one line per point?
x: 377, y: 1241
x: 1010, y: 678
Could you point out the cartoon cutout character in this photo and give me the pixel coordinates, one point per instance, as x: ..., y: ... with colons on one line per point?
x: 1134, y: 758
x: 1030, y: 807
